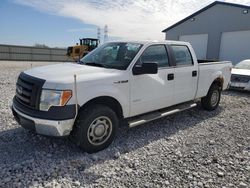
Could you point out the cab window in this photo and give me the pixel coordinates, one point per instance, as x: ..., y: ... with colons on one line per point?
x: 155, y: 54
x: 182, y: 55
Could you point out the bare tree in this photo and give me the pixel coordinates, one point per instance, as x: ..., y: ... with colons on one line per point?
x: 41, y: 45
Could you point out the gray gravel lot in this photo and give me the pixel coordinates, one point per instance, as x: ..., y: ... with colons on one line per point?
x: 194, y: 148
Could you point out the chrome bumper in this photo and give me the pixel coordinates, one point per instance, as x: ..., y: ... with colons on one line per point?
x: 43, y: 126
x: 240, y: 86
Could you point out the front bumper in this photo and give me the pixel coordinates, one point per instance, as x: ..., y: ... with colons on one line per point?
x: 240, y: 86
x: 46, y: 127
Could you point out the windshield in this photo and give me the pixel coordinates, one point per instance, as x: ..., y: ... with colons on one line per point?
x: 243, y: 65
x: 117, y: 55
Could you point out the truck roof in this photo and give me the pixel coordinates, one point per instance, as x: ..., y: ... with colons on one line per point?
x: 152, y: 42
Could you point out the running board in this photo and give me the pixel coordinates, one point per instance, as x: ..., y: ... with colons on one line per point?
x: 159, y: 114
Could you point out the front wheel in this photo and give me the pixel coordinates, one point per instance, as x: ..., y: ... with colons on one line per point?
x: 212, y: 100
x: 95, y: 128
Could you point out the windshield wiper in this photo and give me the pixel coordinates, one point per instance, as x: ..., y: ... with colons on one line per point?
x: 94, y: 64
x: 97, y: 65
x: 80, y: 62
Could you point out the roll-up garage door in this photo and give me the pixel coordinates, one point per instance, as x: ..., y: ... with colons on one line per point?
x: 199, y: 43
x: 235, y: 46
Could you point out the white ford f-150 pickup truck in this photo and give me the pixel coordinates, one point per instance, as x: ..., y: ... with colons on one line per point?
x: 133, y: 81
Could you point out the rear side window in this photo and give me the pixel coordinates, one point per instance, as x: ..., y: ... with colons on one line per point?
x: 182, y: 56
x: 155, y: 54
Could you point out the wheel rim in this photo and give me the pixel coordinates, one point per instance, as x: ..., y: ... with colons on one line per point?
x: 100, y: 130
x: 215, y: 98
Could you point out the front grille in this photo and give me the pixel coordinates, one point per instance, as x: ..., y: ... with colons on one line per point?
x: 237, y: 88
x: 28, y: 90
x: 240, y: 78
x: 24, y: 91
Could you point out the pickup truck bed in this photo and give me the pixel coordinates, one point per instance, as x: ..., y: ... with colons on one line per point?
x: 209, y: 71
x: 200, y: 61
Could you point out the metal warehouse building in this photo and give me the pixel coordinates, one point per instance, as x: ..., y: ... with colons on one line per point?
x: 220, y: 31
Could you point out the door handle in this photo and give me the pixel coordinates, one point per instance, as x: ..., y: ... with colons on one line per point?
x: 194, y: 73
x: 170, y: 76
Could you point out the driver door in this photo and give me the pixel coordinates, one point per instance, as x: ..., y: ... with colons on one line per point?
x: 150, y: 92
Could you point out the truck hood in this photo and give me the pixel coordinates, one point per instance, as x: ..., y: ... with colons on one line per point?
x: 65, y: 72
x: 244, y: 72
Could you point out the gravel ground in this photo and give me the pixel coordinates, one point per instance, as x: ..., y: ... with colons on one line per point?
x: 194, y: 148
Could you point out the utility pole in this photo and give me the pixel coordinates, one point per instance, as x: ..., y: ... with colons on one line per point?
x: 105, y: 33
x: 99, y: 33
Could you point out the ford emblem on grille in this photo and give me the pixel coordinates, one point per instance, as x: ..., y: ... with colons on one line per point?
x: 19, y: 90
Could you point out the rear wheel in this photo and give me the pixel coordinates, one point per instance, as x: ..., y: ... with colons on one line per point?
x: 95, y: 128
x: 212, y: 100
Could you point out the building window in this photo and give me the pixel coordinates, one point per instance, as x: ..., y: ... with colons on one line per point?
x: 245, y: 11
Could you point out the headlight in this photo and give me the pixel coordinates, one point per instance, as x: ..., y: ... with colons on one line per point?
x: 54, y: 98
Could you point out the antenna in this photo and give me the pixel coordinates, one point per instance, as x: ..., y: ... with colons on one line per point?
x: 105, y: 33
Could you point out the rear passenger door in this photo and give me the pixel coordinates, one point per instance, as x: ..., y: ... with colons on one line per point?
x: 186, y: 74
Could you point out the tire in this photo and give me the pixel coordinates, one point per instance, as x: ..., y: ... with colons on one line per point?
x: 212, y: 100
x: 95, y: 128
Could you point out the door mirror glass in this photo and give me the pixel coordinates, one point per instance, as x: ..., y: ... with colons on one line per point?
x: 145, y: 68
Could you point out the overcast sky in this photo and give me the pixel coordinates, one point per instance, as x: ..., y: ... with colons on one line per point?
x: 126, y: 19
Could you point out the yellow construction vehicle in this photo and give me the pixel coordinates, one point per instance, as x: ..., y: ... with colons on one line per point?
x: 80, y: 50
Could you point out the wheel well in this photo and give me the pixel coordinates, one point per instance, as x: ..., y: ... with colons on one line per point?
x: 107, y: 101
x: 218, y: 81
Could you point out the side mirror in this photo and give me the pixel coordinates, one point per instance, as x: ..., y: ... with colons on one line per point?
x: 145, y: 68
